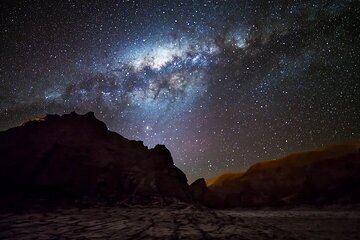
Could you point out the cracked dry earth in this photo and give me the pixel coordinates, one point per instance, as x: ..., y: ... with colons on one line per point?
x: 180, y: 223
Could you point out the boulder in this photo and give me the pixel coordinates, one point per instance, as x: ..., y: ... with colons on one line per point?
x: 203, y: 195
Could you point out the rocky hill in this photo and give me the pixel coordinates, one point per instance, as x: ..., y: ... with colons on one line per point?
x: 75, y: 156
x: 329, y: 175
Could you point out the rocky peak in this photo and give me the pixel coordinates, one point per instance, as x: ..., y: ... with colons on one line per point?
x: 72, y: 119
x: 76, y: 155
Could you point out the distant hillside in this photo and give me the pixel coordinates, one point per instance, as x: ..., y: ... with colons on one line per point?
x: 224, y: 179
x: 328, y: 175
x: 308, y: 157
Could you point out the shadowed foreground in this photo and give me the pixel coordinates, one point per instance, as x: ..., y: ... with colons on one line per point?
x: 180, y: 223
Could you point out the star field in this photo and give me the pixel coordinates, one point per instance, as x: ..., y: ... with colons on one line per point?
x: 223, y: 84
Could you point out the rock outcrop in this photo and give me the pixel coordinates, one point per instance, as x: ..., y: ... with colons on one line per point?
x: 202, y: 194
x: 331, y: 175
x: 76, y: 156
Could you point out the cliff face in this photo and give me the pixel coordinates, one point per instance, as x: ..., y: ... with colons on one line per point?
x: 75, y: 156
x: 331, y: 175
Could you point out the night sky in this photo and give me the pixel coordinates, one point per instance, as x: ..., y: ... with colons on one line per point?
x: 223, y: 84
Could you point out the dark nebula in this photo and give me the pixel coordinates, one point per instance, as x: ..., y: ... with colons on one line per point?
x: 223, y: 84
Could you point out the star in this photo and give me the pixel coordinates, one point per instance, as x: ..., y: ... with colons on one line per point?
x: 223, y: 84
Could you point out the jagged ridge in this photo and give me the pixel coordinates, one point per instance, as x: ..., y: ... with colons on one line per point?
x: 76, y: 156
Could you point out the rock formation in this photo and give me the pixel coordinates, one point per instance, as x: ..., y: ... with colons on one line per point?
x: 76, y: 156
x: 331, y: 175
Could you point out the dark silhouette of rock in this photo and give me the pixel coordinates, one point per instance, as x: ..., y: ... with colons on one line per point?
x: 76, y: 156
x: 331, y: 175
x: 203, y: 195
x: 335, y: 180
x: 198, y: 188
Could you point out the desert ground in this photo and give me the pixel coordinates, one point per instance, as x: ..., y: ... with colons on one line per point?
x: 181, y: 222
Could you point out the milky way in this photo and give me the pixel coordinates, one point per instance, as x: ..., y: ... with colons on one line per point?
x: 223, y: 84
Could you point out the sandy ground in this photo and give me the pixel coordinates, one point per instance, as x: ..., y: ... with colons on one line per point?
x: 184, y: 222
